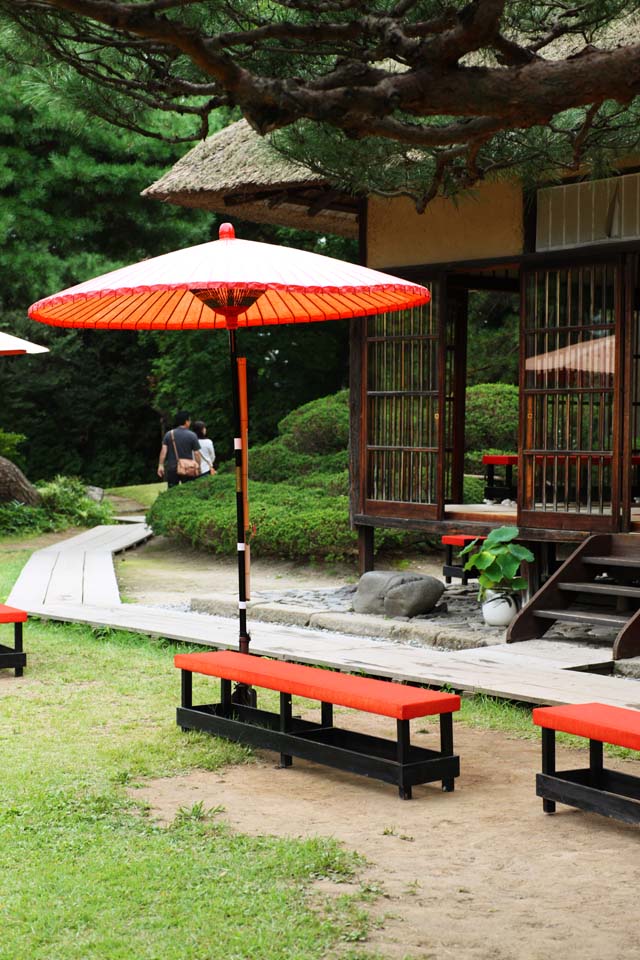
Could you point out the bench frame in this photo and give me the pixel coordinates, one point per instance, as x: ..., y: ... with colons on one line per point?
x: 14, y: 656
x: 594, y: 788
x: 398, y: 762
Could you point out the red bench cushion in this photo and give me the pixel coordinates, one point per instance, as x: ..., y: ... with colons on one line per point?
x: 597, y: 721
x: 11, y: 614
x: 373, y: 696
x: 500, y: 459
x: 459, y: 539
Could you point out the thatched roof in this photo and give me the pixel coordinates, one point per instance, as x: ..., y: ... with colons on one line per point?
x: 237, y: 172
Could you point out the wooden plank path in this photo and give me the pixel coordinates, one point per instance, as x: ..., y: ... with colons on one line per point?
x: 72, y: 582
x: 76, y: 571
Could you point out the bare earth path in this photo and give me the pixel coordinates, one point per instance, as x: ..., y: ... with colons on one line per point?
x: 481, y: 874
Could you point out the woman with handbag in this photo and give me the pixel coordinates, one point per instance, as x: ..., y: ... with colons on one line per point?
x: 207, y: 451
x: 180, y: 451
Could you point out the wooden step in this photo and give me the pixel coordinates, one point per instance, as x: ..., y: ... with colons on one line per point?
x: 583, y: 616
x: 604, y: 589
x: 629, y: 562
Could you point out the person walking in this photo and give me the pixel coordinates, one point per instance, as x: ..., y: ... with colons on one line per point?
x: 180, y: 443
x: 207, y: 450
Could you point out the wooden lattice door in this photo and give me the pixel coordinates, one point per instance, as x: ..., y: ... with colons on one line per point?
x: 402, y: 406
x: 571, y: 397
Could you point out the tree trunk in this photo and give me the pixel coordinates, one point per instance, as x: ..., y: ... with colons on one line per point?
x: 15, y: 486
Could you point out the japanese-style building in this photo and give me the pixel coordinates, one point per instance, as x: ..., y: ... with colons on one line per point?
x: 569, y: 253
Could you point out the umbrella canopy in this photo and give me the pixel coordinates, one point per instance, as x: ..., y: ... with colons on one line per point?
x: 13, y: 346
x: 597, y: 356
x: 262, y: 284
x: 229, y: 284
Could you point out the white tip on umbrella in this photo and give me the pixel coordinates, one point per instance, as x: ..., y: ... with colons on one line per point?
x: 10, y: 345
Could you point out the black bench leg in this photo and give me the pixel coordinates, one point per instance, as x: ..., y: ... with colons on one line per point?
x: 285, y: 725
x: 186, y: 684
x: 595, y: 763
x: 326, y: 715
x: 446, y: 746
x: 448, y: 559
x: 404, y: 745
x: 17, y: 633
x: 548, y: 763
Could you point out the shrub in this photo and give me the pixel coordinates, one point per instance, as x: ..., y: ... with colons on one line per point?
x: 63, y: 503
x: 274, y: 462
x: 291, y: 521
x: 491, y: 419
x: 473, y: 489
x: 9, y: 443
x: 319, y: 427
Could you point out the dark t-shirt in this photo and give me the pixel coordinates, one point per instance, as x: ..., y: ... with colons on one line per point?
x: 186, y: 443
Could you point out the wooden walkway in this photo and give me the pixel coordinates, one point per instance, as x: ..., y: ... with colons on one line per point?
x: 75, y: 581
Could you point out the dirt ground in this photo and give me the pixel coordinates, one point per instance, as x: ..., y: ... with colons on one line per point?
x: 162, y: 572
x: 480, y: 874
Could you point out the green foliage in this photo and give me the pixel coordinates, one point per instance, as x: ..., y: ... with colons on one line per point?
x: 498, y: 558
x: 9, y: 443
x: 473, y: 489
x: 63, y: 503
x: 494, y: 337
x: 318, y: 427
x: 71, y: 209
x: 274, y: 462
x: 302, y: 520
x: 313, y: 437
x: 288, y: 521
x: 491, y: 419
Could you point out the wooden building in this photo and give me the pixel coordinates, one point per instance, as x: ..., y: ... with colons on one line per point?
x: 569, y: 253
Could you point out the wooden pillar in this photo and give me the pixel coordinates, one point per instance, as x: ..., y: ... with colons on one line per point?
x: 365, y: 548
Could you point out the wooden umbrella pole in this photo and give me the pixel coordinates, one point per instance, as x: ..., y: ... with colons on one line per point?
x: 244, y: 638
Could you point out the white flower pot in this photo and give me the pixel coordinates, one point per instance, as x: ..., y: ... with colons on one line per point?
x: 499, y: 609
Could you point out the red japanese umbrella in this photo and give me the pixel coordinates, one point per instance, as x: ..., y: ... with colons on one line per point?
x: 11, y: 346
x: 225, y: 285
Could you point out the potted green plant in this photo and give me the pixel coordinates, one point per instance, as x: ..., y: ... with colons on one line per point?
x: 498, y: 559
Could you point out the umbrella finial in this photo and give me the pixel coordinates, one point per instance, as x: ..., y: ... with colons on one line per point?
x: 226, y: 232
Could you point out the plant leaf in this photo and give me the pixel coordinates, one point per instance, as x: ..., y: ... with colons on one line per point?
x: 522, y: 553
x: 501, y: 535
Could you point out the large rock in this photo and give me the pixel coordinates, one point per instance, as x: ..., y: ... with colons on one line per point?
x: 413, y: 598
x: 396, y: 594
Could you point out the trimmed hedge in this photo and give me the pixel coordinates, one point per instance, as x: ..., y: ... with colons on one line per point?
x: 491, y: 418
x: 319, y: 427
x: 307, y: 521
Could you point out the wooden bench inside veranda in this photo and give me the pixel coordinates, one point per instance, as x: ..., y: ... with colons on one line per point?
x: 593, y: 788
x: 398, y: 762
x: 13, y: 657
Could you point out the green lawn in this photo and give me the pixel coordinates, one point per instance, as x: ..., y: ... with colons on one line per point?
x: 144, y: 493
x: 86, y: 874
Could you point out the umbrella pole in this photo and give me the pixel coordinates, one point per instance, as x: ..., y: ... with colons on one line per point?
x: 244, y: 638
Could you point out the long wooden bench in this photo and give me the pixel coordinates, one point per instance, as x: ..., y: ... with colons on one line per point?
x: 398, y: 761
x: 13, y: 656
x: 593, y: 788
